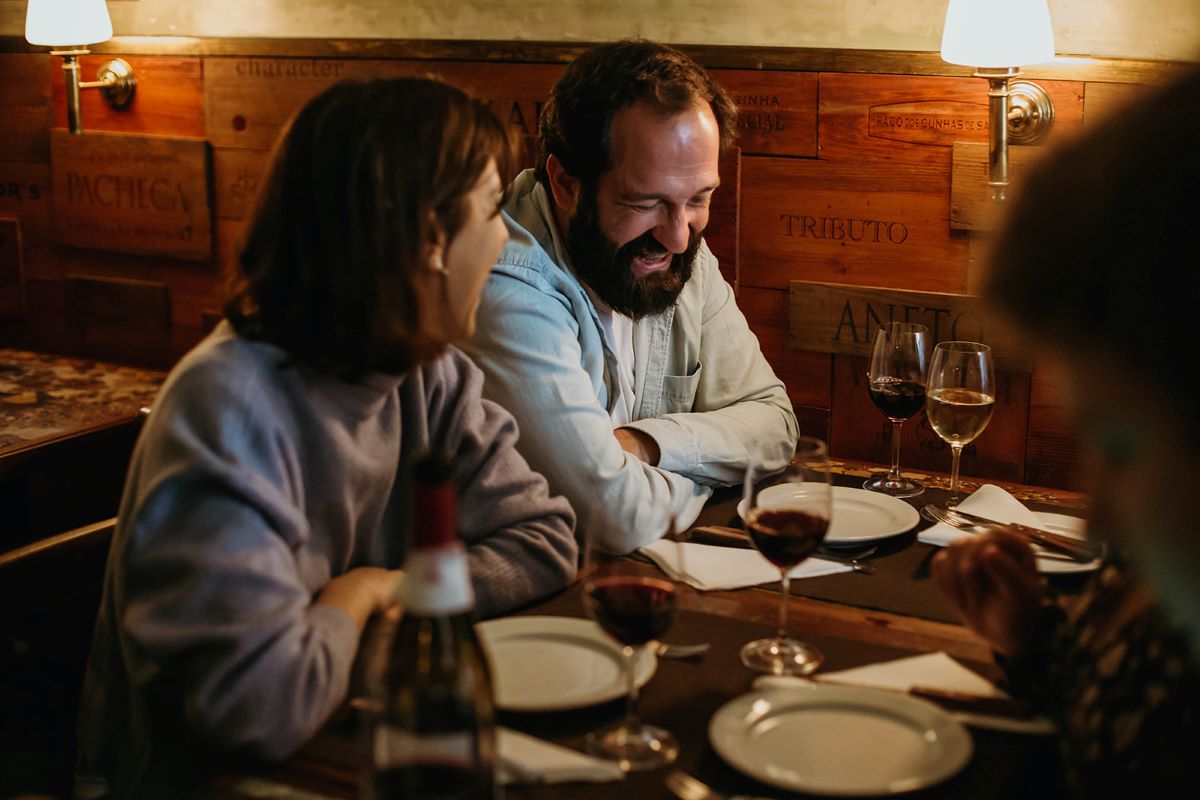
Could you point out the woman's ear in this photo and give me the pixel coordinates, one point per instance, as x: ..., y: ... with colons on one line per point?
x: 563, y: 185
x: 435, y: 248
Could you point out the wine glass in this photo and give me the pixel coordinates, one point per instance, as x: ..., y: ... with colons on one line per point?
x: 634, y: 606
x: 896, y: 381
x: 787, y: 515
x: 959, y: 398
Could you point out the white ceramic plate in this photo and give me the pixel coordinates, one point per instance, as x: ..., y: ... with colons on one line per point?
x: 554, y: 663
x: 836, y: 740
x: 859, y: 516
x: 1067, y: 526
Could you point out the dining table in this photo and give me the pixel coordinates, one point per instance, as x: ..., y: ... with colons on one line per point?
x: 855, y: 618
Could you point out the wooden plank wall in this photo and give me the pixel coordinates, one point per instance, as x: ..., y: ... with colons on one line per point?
x: 839, y: 177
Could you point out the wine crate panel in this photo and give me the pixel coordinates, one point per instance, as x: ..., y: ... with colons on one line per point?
x: 1102, y: 99
x: 721, y: 235
x: 805, y: 374
x: 169, y: 99
x: 1054, y: 455
x: 834, y: 318
x: 971, y: 205
x: 110, y: 316
x: 812, y: 422
x: 46, y: 330
x: 777, y: 111
x: 12, y: 269
x: 132, y: 193
x: 849, y: 223
x: 229, y: 245
x: 27, y: 106
x: 249, y: 100
x: 25, y: 194
x: 916, y: 119
x: 237, y: 175
x: 859, y: 430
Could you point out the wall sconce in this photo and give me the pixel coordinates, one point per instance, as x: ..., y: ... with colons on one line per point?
x: 70, y: 26
x: 997, y: 37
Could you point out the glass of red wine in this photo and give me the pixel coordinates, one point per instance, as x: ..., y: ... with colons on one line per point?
x: 896, y: 381
x: 634, y: 604
x: 787, y: 515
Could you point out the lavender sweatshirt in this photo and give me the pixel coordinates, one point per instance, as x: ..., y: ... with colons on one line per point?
x: 254, y: 483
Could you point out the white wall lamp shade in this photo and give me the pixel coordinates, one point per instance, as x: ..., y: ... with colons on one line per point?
x: 67, y: 23
x: 997, y: 33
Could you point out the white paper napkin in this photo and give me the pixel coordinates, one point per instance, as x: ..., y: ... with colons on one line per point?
x: 527, y: 759
x: 936, y: 670
x: 707, y: 567
x: 988, y: 501
x: 933, y: 670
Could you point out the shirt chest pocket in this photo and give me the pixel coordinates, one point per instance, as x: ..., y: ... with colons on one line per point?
x: 679, y: 391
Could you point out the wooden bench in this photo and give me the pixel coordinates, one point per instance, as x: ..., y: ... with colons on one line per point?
x: 65, y: 481
x: 50, y: 593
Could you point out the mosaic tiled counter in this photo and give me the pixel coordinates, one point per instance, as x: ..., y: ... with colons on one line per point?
x: 44, y: 396
x: 67, y: 429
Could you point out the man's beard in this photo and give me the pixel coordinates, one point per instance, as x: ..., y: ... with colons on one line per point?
x: 608, y: 268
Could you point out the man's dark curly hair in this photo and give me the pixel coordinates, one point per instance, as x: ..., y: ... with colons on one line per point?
x: 576, y: 123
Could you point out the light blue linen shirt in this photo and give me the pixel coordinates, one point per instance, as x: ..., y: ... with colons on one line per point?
x: 703, y: 390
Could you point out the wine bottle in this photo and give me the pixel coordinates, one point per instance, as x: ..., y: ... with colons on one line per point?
x: 433, y: 737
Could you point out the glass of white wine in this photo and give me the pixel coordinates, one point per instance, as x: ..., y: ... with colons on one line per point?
x: 960, y: 395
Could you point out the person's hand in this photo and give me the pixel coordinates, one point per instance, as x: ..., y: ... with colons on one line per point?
x: 638, y: 443
x: 992, y: 582
x: 362, y: 592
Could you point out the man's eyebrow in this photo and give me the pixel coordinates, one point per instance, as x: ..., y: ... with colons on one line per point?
x: 655, y: 196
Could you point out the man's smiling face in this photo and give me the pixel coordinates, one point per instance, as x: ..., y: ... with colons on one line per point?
x: 634, y: 238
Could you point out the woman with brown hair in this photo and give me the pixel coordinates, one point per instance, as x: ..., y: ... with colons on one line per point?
x: 265, y: 509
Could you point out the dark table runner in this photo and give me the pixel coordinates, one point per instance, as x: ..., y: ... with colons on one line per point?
x: 684, y: 694
x: 682, y: 697
x: 901, y: 583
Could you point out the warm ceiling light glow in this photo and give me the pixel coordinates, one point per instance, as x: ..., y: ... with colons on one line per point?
x: 997, y: 33
x: 64, y: 23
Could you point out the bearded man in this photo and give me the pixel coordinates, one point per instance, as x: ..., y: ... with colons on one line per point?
x: 606, y: 327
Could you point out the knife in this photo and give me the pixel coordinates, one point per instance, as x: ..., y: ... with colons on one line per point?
x: 1076, y: 548
x: 722, y: 535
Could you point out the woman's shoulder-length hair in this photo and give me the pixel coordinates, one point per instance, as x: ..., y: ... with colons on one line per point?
x: 364, y: 178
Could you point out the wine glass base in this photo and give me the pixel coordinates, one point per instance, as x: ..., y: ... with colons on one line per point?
x: 782, y: 657
x: 902, y: 487
x: 635, y: 748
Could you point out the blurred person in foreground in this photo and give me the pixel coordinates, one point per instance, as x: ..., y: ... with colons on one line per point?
x: 606, y: 327
x: 266, y: 505
x: 1097, y: 264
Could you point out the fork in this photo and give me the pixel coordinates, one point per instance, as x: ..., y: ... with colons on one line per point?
x: 685, y: 787
x: 1076, y: 550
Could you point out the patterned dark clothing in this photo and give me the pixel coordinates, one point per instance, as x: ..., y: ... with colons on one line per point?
x: 1120, y: 685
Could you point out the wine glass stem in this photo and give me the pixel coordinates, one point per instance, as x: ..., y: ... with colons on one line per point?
x: 955, y: 456
x: 783, y: 604
x: 894, y: 473
x: 631, y: 707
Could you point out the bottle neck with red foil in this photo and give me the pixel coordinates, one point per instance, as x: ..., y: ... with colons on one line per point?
x: 437, y: 579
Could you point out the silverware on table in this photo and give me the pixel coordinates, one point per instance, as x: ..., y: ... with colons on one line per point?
x: 1076, y: 549
x: 668, y: 650
x: 685, y: 787
x: 724, y: 535
x: 851, y: 557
